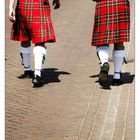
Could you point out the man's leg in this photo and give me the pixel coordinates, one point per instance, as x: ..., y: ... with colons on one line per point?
x: 39, y: 58
x: 103, y: 55
x: 118, y: 57
x: 26, y: 51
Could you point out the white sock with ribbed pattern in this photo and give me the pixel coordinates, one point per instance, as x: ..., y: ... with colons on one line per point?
x: 118, y: 58
x: 26, y: 54
x: 103, y: 53
x: 39, y: 59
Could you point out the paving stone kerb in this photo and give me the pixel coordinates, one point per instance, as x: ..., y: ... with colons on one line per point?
x: 71, y: 106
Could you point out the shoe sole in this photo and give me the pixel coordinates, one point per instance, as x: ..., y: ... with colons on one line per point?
x: 36, y: 84
x: 117, y: 83
x: 25, y: 77
x: 103, y: 75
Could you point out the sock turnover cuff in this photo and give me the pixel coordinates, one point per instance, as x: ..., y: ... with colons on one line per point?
x: 104, y: 47
x: 119, y: 53
x: 39, y: 49
x: 27, y: 50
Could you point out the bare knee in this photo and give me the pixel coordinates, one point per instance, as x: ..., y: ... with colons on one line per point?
x: 107, y: 45
x: 25, y: 44
x: 119, y: 46
x: 40, y: 44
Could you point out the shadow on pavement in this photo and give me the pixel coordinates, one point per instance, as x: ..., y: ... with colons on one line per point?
x: 51, y: 75
x: 127, y: 78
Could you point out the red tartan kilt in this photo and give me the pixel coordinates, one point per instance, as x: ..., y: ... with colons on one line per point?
x: 33, y: 22
x: 111, y: 22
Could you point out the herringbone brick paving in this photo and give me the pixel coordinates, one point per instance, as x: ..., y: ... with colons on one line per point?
x: 71, y: 105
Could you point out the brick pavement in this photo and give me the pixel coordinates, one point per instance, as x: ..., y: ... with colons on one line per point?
x: 71, y: 106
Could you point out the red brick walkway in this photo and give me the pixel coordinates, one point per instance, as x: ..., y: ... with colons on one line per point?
x: 71, y: 105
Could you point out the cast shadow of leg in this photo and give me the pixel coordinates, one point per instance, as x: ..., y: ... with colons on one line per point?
x: 51, y: 75
x: 127, y: 78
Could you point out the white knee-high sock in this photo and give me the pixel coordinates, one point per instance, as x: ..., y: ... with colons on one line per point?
x: 26, y: 53
x: 118, y: 58
x: 39, y: 58
x: 103, y: 53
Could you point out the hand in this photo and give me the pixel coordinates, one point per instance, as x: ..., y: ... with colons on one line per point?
x: 11, y: 15
x: 56, y: 4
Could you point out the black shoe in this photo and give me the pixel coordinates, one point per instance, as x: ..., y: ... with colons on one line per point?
x: 27, y: 74
x: 117, y: 82
x: 103, y: 75
x: 37, y: 81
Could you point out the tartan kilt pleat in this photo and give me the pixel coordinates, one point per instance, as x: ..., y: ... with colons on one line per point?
x: 111, y: 22
x: 33, y: 22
